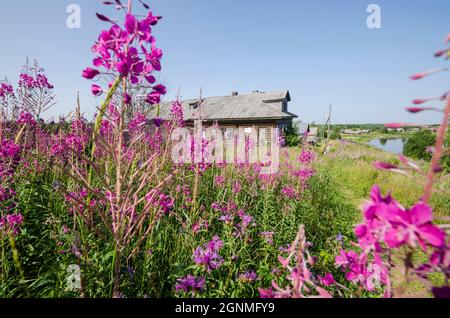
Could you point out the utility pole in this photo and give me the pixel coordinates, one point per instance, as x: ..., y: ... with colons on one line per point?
x: 179, y: 92
x: 78, y: 109
x: 200, y: 104
x: 329, y: 122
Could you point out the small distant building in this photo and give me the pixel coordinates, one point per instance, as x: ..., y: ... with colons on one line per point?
x: 303, y: 128
x: 355, y: 132
x: 313, y: 137
x: 396, y: 129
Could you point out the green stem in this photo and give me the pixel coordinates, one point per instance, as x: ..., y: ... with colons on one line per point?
x: 16, y: 258
x: 98, y: 121
x: 111, y: 291
x: 3, y: 262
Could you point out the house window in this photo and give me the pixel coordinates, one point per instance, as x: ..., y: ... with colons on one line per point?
x: 283, y: 127
x: 227, y: 133
x: 248, y: 130
x: 263, y: 134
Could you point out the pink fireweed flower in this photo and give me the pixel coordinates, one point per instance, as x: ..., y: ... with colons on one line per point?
x: 384, y: 165
x: 161, y: 89
x: 6, y: 194
x: 302, y: 281
x: 198, y: 226
x: 26, y: 118
x: 285, y: 249
x: 6, y: 90
x: 177, y: 114
x: 137, y: 122
x: 289, y: 192
x: 219, y: 181
x: 248, y: 277
x: 344, y: 258
x: 140, y: 29
x: 304, y: 174
x: 246, y: 222
x: 441, y: 257
x: 190, y: 284
x: 419, y: 101
x: 441, y: 53
x: 153, y: 98
x: 413, y: 226
x: 208, y: 255
x: 237, y: 187
x: 419, y: 76
x: 268, y: 237
x: 10, y: 224
x: 227, y: 218
x: 359, y: 271
x: 90, y: 73
x: 96, y: 90
x: 396, y: 125
x: 372, y: 232
x: 9, y: 149
x: 415, y: 110
x: 158, y: 122
x: 126, y: 99
x: 386, y: 221
x: 327, y: 280
x: 161, y: 200
x: 306, y: 157
x: 30, y: 82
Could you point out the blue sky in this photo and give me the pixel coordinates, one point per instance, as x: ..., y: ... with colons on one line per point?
x: 322, y: 51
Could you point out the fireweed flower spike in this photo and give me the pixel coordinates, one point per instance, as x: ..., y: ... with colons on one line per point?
x: 419, y: 76
x: 303, y: 284
x: 127, y: 56
x: 129, y: 52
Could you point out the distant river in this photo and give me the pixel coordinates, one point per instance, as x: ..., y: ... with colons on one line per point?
x: 390, y: 145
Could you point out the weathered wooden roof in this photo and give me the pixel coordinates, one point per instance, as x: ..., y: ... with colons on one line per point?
x: 255, y: 106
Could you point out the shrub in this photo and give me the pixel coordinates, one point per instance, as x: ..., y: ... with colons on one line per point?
x: 292, y: 137
x: 417, y: 146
